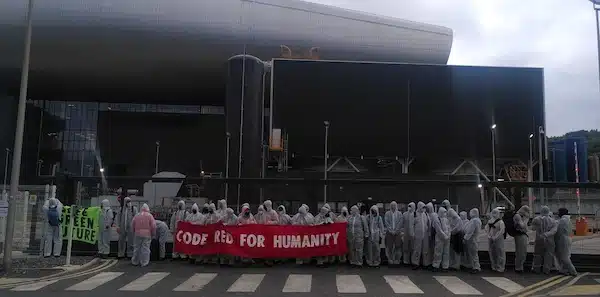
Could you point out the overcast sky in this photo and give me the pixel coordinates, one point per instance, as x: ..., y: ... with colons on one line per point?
x: 558, y: 35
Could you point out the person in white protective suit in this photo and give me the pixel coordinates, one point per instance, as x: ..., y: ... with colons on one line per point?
x: 221, y: 207
x: 104, y: 224
x: 53, y: 237
x: 357, y: 230
x: 283, y: 217
x: 408, y: 239
x: 393, y: 234
x: 520, y: 221
x: 441, y: 251
x: 211, y: 218
x: 545, y: 228
x: 495, y: 230
x: 179, y: 215
x: 376, y: 233
x: 144, y: 229
x: 421, y: 242
x: 427, y: 259
x: 271, y: 216
x: 246, y: 218
x: 563, y: 243
x: 464, y: 257
x: 229, y: 219
x: 471, y: 237
x: 302, y: 218
x: 446, y: 204
x: 324, y: 217
x: 261, y: 216
x: 456, y: 239
x: 197, y: 218
x: 162, y: 234
x: 343, y: 218
x: 125, y: 216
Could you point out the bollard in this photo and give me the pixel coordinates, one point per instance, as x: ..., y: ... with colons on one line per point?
x: 70, y: 233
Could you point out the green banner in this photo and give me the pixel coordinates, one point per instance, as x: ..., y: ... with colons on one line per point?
x: 85, y: 224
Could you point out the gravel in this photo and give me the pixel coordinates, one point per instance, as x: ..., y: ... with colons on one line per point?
x: 39, y: 266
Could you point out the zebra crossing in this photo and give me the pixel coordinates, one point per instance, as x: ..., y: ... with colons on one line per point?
x: 347, y: 283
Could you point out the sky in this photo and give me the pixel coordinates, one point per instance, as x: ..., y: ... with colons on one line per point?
x: 558, y: 35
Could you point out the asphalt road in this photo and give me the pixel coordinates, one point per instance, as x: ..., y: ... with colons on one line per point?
x: 180, y: 279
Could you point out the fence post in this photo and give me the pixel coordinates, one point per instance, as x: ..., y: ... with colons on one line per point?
x: 70, y: 233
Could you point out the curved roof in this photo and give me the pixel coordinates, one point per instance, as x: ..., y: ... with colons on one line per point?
x: 136, y: 43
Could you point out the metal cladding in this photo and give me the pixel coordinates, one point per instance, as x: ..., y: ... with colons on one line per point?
x: 147, y: 49
x: 244, y: 116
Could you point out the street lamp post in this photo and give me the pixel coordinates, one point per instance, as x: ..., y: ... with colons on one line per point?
x: 227, y: 148
x: 540, y: 162
x: 596, y: 5
x: 530, y: 171
x: 326, y: 123
x: 5, y: 170
x: 18, y: 148
x: 157, y: 155
x: 493, y: 129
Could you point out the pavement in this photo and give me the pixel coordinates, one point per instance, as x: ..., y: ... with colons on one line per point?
x: 177, y: 278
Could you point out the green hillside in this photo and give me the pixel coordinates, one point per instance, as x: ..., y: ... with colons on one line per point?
x: 593, y: 137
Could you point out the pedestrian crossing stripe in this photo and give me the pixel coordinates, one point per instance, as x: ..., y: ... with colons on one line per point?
x: 295, y: 283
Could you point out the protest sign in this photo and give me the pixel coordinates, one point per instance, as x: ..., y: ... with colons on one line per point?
x: 85, y: 224
x: 261, y: 241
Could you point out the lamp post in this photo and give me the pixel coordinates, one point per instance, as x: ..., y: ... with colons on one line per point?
x: 326, y: 123
x: 493, y: 129
x: 157, y: 155
x: 18, y: 148
x: 227, y: 148
x: 540, y: 162
x: 5, y: 170
x: 530, y: 171
x: 596, y: 5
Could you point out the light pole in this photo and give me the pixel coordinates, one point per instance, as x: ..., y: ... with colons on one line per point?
x: 540, y: 162
x: 596, y: 5
x: 157, y: 155
x: 5, y: 170
x: 530, y: 171
x: 18, y: 148
x: 493, y: 129
x: 227, y: 148
x: 326, y: 123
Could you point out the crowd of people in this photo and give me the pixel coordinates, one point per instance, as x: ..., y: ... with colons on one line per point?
x: 419, y: 237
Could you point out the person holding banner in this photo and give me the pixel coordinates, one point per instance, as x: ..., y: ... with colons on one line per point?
x: 343, y: 218
x: 270, y: 213
x: 144, y: 229
x: 106, y: 220
x: 229, y: 219
x: 125, y: 216
x: 246, y: 218
x: 179, y: 215
x: 302, y: 218
x: 53, y: 238
x: 196, y: 218
x: 324, y: 217
x: 283, y: 218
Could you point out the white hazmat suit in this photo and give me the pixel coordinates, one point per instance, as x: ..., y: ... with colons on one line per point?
x: 376, y: 233
x: 357, y: 230
x: 441, y: 252
x: 393, y: 234
x: 179, y: 215
x: 53, y: 237
x: 408, y: 239
x: 105, y: 223
x: 495, y: 230
x: 471, y: 237
x: 126, y: 214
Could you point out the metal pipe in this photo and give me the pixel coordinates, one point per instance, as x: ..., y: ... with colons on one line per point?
x: 326, y: 160
x: 5, y: 170
x: 18, y: 148
x: 530, y: 172
x: 494, y: 160
x: 540, y: 163
x: 157, y: 155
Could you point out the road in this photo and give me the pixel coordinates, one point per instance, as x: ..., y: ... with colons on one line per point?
x: 180, y: 279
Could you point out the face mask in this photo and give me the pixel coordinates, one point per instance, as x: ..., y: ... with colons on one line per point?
x: 194, y: 211
x: 373, y: 212
x: 247, y: 214
x: 327, y: 215
x: 205, y: 210
x: 345, y: 213
x: 210, y: 211
x: 180, y: 207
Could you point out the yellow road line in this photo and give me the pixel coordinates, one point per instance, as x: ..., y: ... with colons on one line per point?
x: 545, y: 286
x: 532, y: 286
x: 590, y: 290
x: 570, y: 283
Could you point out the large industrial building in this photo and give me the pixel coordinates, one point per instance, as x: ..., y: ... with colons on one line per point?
x: 114, y: 82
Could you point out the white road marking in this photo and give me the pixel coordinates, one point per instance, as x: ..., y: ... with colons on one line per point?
x: 196, y: 282
x: 94, y: 281
x: 247, y: 283
x: 503, y: 283
x: 298, y: 283
x: 145, y: 281
x: 456, y: 285
x: 34, y: 286
x: 401, y: 284
x: 350, y: 284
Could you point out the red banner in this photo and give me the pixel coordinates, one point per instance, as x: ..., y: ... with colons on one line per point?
x: 261, y: 241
